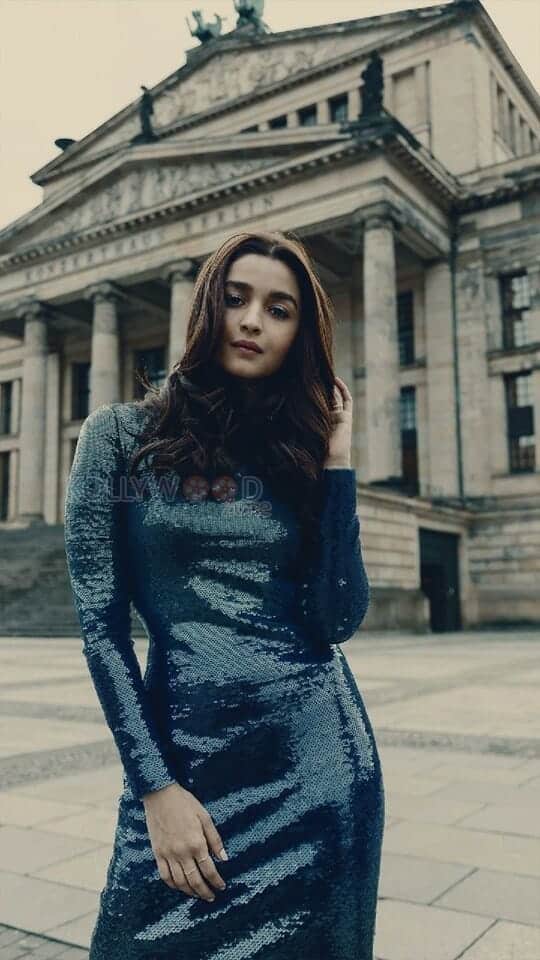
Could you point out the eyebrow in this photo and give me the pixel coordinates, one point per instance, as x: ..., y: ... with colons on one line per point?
x: 282, y: 294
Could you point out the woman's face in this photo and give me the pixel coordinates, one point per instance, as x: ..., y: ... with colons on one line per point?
x: 262, y: 305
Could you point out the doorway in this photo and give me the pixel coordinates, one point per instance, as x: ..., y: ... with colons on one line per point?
x: 439, y: 578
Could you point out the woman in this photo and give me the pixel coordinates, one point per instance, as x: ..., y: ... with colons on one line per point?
x: 224, y: 506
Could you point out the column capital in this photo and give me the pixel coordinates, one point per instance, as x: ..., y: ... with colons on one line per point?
x: 32, y: 309
x: 377, y: 215
x: 105, y: 291
x: 184, y: 269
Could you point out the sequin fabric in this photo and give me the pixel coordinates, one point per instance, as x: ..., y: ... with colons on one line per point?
x: 247, y: 700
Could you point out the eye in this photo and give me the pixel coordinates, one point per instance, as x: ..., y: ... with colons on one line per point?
x: 231, y: 296
x: 284, y: 313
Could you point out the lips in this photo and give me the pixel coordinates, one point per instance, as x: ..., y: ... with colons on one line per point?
x: 247, y: 345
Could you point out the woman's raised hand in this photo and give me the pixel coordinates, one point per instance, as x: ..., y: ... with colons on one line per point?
x: 183, y: 836
x: 339, y: 451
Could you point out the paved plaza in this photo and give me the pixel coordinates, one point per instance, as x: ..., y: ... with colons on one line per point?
x: 458, y: 727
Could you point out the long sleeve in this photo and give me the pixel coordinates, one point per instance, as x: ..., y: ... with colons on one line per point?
x: 334, y: 593
x: 97, y: 566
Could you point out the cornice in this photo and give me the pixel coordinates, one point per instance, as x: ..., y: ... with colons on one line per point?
x: 339, y: 153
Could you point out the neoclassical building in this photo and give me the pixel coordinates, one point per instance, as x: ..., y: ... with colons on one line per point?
x: 423, y: 219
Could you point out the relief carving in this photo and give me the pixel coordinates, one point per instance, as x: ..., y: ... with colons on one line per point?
x: 146, y: 187
x: 217, y: 82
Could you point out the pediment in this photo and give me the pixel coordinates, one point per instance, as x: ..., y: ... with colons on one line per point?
x: 228, y: 71
x: 132, y: 188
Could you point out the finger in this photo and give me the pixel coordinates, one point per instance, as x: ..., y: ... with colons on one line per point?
x: 179, y: 877
x: 212, y: 835
x: 210, y: 873
x: 346, y: 394
x: 196, y: 882
x: 165, y: 873
x: 337, y: 398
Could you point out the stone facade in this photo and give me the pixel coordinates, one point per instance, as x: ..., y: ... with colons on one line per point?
x: 425, y: 231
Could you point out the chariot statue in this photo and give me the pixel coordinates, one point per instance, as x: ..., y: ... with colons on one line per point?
x: 205, y: 31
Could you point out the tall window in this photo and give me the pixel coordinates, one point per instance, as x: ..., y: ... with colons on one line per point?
x: 152, y: 361
x: 339, y: 109
x: 405, y: 315
x: 80, y: 390
x: 409, y: 446
x: 520, y: 422
x: 6, y: 403
x: 516, y: 301
x: 4, y: 484
x: 307, y: 116
x: 278, y: 122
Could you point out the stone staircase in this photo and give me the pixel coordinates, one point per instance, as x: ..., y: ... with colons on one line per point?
x: 35, y: 593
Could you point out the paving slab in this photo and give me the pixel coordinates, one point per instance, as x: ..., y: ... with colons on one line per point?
x: 409, y: 931
x: 506, y: 941
x: 476, y: 848
x: 497, y: 895
x: 25, y: 851
x: 39, y: 905
x: 417, y: 879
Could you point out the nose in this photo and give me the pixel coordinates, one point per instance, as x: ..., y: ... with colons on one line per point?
x: 251, y: 319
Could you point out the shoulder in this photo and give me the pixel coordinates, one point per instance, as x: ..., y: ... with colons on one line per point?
x: 131, y: 418
x: 115, y: 422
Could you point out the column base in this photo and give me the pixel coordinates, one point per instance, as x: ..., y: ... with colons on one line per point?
x: 31, y: 519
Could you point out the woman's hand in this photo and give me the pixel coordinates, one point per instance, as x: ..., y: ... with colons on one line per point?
x: 339, y: 450
x: 182, y: 834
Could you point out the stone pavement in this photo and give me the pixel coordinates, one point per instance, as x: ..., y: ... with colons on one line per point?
x: 458, y: 728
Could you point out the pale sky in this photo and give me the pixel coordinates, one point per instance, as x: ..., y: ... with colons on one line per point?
x: 68, y: 65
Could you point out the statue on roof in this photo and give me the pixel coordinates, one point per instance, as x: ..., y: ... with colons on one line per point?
x: 372, y: 90
x: 146, y: 109
x: 205, y: 31
x: 250, y: 15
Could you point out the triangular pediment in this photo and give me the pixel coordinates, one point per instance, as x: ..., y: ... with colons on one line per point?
x: 147, y: 179
x: 230, y: 70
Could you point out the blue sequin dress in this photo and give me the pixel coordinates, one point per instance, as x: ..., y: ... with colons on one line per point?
x: 247, y: 701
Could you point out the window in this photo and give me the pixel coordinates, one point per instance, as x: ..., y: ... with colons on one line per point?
x: 307, y: 116
x: 151, y: 360
x: 409, y: 452
x: 4, y: 485
x: 405, y: 315
x: 80, y: 390
x: 252, y: 129
x: 406, y: 105
x: 520, y: 421
x: 502, y: 116
x: 278, y: 122
x: 6, y: 403
x: 339, y: 109
x: 515, y: 301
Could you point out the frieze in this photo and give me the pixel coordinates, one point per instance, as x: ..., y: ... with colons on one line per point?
x: 141, y: 242
x: 145, y: 187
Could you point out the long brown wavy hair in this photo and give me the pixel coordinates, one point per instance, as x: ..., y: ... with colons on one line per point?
x: 201, y: 422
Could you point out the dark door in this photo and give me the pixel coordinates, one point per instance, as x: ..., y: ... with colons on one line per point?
x: 439, y: 578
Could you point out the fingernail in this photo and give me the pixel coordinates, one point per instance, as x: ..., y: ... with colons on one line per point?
x: 222, y: 854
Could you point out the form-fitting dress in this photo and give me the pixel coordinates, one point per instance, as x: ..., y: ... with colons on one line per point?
x: 247, y: 701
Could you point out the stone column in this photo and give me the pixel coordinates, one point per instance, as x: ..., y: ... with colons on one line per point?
x: 381, y: 350
x: 473, y: 377
x: 441, y: 394
x: 105, y: 357
x: 181, y: 276
x: 34, y: 412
